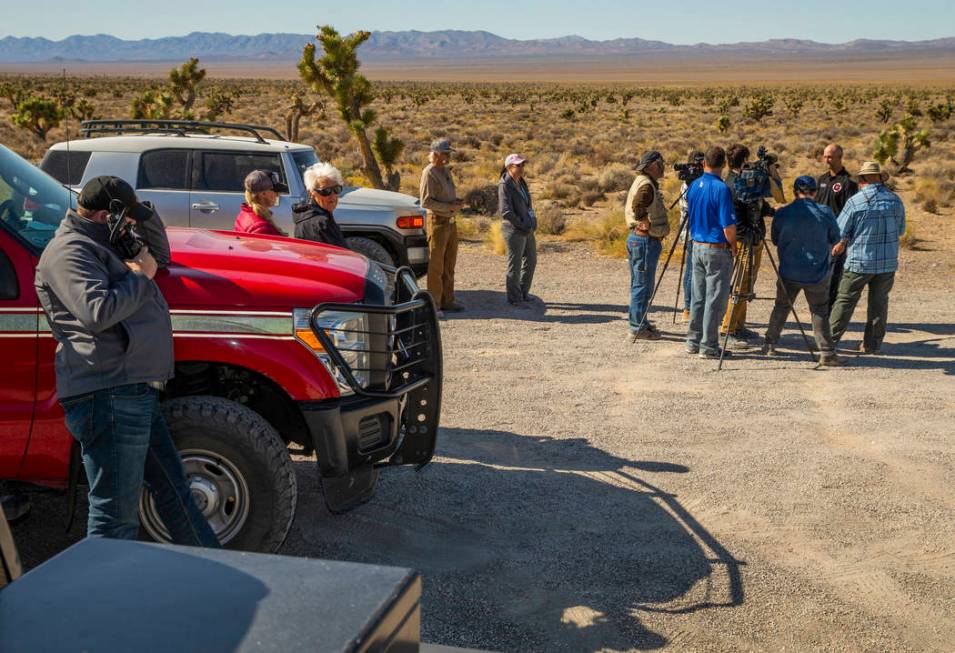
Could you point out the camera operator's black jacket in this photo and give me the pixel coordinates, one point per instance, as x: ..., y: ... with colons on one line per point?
x: 314, y: 223
x: 111, y: 324
x: 750, y: 220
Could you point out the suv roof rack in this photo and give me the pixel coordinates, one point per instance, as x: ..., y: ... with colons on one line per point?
x: 177, y: 127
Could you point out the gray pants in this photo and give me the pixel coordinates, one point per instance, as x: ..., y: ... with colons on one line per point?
x: 521, y: 261
x: 712, y: 272
x: 817, y: 296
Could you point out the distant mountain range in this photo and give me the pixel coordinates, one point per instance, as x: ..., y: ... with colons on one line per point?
x: 447, y: 44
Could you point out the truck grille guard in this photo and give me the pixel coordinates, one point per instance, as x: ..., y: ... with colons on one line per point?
x: 404, y: 350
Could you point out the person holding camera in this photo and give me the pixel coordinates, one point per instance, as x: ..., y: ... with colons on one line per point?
x: 835, y: 189
x: 113, y: 357
x: 646, y: 217
x: 804, y: 233
x: 518, y: 223
x: 871, y: 224
x: 751, y: 230
x: 438, y: 196
x: 262, y: 188
x: 689, y: 171
x: 713, y: 231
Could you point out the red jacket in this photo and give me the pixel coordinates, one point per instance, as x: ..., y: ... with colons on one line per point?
x: 251, y: 223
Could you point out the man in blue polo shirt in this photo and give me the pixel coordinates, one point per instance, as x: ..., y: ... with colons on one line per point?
x: 804, y: 233
x: 713, y: 231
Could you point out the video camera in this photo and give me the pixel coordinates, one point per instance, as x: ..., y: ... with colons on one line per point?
x: 122, y: 236
x: 691, y: 170
x: 753, y: 182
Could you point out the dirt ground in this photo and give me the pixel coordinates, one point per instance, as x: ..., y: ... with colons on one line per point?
x: 594, y: 495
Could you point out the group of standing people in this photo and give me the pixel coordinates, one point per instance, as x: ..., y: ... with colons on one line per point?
x: 831, y: 260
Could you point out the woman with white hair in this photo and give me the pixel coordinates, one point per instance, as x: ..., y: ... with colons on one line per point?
x: 313, y: 217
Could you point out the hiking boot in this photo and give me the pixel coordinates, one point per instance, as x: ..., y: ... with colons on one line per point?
x: 734, y: 342
x: 769, y: 349
x: 713, y: 354
x: 453, y: 307
x: 830, y: 359
x: 644, y: 334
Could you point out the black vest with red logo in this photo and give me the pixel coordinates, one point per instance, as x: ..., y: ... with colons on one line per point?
x: 835, y: 190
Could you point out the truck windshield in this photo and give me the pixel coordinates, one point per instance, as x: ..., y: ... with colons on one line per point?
x: 32, y: 203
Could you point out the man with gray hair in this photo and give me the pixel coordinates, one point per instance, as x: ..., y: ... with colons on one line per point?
x: 439, y: 197
x: 313, y: 217
x: 646, y: 217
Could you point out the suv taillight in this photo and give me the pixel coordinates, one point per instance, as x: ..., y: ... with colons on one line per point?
x: 410, y: 222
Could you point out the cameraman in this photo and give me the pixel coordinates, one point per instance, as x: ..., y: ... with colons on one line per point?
x: 113, y: 357
x: 751, y: 225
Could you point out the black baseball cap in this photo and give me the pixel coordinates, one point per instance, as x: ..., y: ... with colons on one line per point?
x: 260, y: 180
x: 100, y: 191
x: 648, y: 158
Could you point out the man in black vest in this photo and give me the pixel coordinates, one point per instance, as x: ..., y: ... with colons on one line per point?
x: 834, y: 190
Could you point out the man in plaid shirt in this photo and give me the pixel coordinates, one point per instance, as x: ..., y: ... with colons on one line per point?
x: 870, y: 223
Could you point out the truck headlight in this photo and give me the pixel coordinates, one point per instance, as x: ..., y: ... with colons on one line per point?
x: 349, y: 335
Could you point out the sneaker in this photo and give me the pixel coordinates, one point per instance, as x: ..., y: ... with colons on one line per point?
x: 734, y: 342
x: 744, y: 334
x: 692, y: 349
x: 652, y: 327
x: 686, y: 315
x: 769, y: 349
x: 453, y: 307
x: 874, y: 352
x: 644, y: 334
x: 830, y: 359
x: 713, y: 354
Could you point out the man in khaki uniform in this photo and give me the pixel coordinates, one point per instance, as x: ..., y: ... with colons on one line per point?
x: 439, y: 198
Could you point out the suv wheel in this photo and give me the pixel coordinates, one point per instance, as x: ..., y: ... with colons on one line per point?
x: 369, y: 248
x: 239, y: 471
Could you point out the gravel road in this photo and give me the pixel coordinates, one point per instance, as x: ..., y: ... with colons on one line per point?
x: 594, y: 495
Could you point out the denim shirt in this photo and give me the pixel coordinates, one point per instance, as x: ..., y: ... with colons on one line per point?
x: 871, y: 223
x: 804, y: 233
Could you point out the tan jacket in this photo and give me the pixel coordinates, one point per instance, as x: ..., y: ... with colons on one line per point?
x: 644, y: 202
x: 437, y: 192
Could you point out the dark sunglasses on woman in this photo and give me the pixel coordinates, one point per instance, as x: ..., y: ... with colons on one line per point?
x: 331, y: 190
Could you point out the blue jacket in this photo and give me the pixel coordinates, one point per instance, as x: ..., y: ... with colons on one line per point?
x: 804, y: 233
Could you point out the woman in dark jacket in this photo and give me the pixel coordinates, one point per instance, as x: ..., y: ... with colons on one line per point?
x: 518, y: 223
x: 313, y: 218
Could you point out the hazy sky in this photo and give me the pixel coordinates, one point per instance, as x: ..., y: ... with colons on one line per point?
x: 674, y: 21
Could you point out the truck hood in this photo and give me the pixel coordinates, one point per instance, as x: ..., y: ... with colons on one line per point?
x: 359, y: 197
x: 226, y: 270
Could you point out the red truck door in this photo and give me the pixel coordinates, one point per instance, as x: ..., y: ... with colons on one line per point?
x: 19, y: 315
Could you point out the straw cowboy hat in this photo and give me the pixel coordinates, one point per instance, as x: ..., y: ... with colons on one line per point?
x: 872, y: 168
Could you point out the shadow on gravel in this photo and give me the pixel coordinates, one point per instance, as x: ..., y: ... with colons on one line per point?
x: 530, y: 543
x: 492, y: 305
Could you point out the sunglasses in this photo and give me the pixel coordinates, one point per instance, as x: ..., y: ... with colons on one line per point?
x: 331, y: 190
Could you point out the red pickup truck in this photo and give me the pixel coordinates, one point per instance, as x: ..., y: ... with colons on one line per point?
x: 278, y: 342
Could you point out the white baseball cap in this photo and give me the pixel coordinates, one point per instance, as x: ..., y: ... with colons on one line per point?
x: 513, y: 160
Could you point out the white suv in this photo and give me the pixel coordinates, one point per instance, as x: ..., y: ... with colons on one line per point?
x: 194, y: 178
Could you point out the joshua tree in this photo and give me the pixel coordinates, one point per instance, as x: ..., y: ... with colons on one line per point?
x: 388, y: 150
x: 759, y: 107
x: 152, y: 105
x: 14, y: 92
x: 184, y: 83
x: 336, y: 74
x: 298, y: 110
x: 905, y: 137
x: 83, y: 109
x: 723, y: 123
x: 885, y: 111
x: 218, y: 104
x: 38, y: 115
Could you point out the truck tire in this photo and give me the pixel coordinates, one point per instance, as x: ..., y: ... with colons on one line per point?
x: 369, y: 248
x: 239, y: 470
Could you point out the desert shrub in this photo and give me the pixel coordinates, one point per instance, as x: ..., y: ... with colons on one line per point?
x: 482, y: 199
x: 908, y: 240
x: 494, y: 239
x: 472, y: 228
x: 551, y: 220
x: 591, y: 197
x: 608, y: 233
x: 615, y: 177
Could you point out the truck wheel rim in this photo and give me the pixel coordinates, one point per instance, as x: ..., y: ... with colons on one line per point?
x: 219, y: 490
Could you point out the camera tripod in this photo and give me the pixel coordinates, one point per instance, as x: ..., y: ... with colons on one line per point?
x: 742, y: 273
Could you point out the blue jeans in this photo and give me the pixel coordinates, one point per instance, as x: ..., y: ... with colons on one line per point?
x: 643, y: 253
x: 687, y: 273
x: 712, y: 272
x: 125, y: 443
